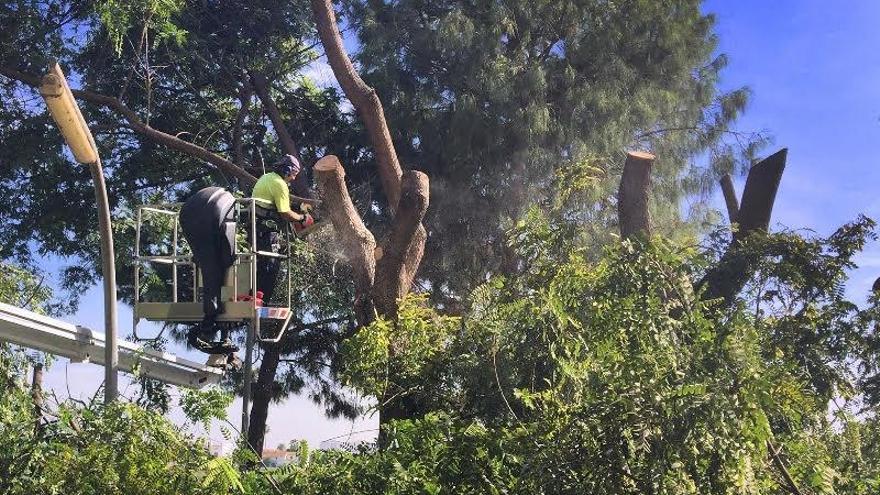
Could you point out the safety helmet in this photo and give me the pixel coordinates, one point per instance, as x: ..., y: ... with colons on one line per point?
x: 287, y: 165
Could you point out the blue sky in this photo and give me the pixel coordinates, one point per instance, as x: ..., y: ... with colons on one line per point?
x: 814, y: 69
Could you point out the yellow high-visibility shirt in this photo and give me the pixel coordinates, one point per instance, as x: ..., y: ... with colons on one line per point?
x: 272, y: 187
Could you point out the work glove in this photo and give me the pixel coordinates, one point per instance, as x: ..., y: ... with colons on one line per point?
x: 305, y: 223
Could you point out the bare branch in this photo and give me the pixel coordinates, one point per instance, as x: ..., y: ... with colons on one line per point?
x: 777, y: 461
x: 143, y: 129
x: 244, y: 96
x: 137, y: 54
x: 261, y: 86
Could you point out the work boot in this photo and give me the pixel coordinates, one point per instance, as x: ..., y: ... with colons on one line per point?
x: 218, y: 347
x: 200, y: 336
x: 198, y: 341
x: 226, y: 345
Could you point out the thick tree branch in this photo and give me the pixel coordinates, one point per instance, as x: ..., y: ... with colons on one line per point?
x: 143, y: 129
x: 413, y: 257
x: 393, y: 278
x: 730, y: 198
x: 358, y: 243
x: 261, y: 86
x: 632, y: 197
x: 244, y: 96
x: 37, y: 394
x: 733, y: 271
x: 362, y: 97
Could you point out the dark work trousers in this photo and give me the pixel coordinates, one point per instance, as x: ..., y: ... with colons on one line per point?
x: 268, y: 238
x: 208, y: 224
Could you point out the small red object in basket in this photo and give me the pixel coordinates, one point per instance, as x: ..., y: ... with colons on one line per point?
x: 247, y: 297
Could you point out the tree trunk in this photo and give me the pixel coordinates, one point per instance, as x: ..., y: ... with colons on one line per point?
x: 382, y: 276
x: 356, y: 240
x: 262, y: 396
x: 732, y: 273
x: 632, y: 197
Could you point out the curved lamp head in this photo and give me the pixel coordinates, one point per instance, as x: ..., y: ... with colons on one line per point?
x: 65, y: 112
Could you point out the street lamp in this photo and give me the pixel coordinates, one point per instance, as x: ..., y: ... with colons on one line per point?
x: 65, y: 112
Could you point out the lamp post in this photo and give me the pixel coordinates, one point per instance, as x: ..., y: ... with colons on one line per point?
x: 65, y: 112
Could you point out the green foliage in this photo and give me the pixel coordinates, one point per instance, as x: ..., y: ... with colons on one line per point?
x: 121, y: 449
x: 74, y: 448
x: 613, y: 376
x: 23, y: 288
x: 120, y: 16
x: 205, y: 406
x: 607, y: 376
x: 432, y: 455
x: 389, y: 357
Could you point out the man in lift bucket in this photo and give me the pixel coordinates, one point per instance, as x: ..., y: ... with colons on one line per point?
x: 207, y: 220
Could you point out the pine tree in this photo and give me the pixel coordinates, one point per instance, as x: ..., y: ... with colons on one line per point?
x: 516, y: 103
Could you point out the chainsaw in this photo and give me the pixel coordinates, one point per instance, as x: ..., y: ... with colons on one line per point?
x: 311, y: 222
